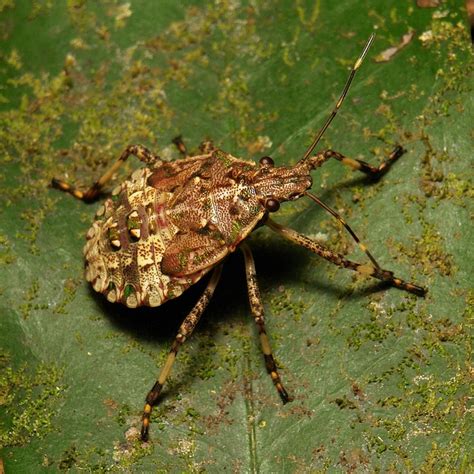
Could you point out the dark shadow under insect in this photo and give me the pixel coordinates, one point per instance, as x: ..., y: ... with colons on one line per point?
x: 169, y: 224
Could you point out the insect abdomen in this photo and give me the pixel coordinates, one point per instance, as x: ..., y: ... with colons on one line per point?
x: 126, y: 243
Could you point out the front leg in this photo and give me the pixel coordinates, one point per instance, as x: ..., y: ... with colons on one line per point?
x: 375, y: 172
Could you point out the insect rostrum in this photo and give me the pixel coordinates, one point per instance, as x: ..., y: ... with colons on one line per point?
x: 170, y: 223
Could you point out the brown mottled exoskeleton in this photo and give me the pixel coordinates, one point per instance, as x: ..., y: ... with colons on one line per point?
x: 169, y: 224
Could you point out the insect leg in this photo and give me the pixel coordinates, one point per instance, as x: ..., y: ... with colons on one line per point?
x: 346, y: 225
x: 339, y: 260
x: 185, y: 330
x: 372, y: 171
x: 178, y: 141
x: 207, y: 146
x: 142, y: 153
x: 257, y: 312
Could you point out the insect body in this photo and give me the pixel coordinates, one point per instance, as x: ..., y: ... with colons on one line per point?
x: 169, y: 224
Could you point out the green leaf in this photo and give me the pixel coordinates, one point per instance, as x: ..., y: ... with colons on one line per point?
x: 380, y: 378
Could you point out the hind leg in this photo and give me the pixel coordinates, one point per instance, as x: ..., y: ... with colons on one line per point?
x: 186, y: 329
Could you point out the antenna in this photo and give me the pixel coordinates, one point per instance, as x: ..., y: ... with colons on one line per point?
x: 341, y: 98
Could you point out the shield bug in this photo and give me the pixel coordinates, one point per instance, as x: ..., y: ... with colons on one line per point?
x: 171, y: 223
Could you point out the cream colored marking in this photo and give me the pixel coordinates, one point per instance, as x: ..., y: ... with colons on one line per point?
x: 154, y: 301
x: 265, y: 344
x: 352, y: 163
x: 165, y: 371
x: 115, y: 243
x: 362, y: 247
x: 89, y: 273
x: 136, y: 196
x: 112, y: 296
x: 113, y: 262
x: 162, y: 198
x: 136, y: 233
x: 133, y: 214
x: 116, y: 190
x: 137, y: 174
x: 144, y: 260
x: 132, y: 301
x: 89, y: 245
x: 97, y: 285
x: 100, y: 211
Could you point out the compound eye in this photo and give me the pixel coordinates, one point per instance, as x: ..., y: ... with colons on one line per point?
x: 266, y: 161
x: 272, y: 205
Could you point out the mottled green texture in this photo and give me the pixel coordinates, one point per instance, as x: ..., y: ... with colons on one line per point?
x: 381, y: 379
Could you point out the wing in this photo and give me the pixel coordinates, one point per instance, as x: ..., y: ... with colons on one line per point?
x: 213, y: 207
x: 191, y: 252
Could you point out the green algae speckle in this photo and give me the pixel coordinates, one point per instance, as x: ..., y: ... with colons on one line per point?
x: 69, y: 290
x: 286, y: 303
x: 28, y: 401
x: 30, y: 298
x: 7, y: 256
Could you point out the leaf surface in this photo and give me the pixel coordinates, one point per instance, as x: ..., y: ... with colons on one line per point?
x: 380, y: 378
